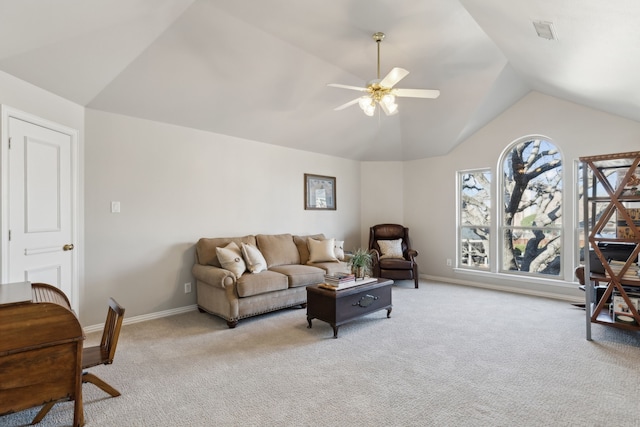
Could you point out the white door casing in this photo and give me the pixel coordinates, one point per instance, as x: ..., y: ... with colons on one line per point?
x: 39, y: 202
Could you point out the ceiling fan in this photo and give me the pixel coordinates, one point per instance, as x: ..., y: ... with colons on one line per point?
x: 382, y: 92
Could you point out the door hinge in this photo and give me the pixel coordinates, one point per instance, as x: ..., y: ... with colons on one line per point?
x: 9, y: 143
x: 9, y: 235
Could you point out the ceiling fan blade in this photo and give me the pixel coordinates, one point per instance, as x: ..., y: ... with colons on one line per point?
x: 417, y: 93
x: 393, y: 77
x: 361, y: 89
x: 348, y: 104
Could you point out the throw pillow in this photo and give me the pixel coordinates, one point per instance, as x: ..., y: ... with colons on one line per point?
x: 338, y: 250
x: 390, y: 248
x: 231, y: 259
x: 321, y: 250
x: 254, y: 259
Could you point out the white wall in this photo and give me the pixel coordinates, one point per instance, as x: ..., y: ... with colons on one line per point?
x: 430, y: 187
x: 31, y: 99
x: 176, y: 185
x: 382, y: 196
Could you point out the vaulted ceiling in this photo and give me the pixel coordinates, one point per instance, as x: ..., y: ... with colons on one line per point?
x: 259, y: 69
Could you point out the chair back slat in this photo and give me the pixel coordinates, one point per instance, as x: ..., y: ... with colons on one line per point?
x: 111, y: 332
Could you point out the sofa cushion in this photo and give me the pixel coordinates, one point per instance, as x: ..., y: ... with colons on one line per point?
x: 391, y: 248
x: 303, y: 248
x: 332, y: 267
x: 300, y: 275
x: 278, y: 249
x: 231, y: 259
x: 260, y: 283
x: 321, y: 250
x: 206, y: 248
x: 254, y: 258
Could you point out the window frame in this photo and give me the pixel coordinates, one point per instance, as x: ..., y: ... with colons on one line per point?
x: 460, y: 226
x: 500, y: 213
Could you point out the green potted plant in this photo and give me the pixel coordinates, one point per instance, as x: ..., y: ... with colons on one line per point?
x: 360, y: 263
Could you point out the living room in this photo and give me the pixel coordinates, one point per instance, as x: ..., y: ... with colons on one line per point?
x: 177, y: 184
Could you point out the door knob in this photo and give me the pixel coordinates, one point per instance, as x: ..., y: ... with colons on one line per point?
x: 68, y: 247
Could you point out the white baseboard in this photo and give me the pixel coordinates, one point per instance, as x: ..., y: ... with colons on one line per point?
x: 145, y: 317
x: 517, y: 290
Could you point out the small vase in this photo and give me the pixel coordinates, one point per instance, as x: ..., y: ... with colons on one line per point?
x: 359, y: 272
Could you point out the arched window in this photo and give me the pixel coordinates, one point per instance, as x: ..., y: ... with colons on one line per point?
x: 531, y: 214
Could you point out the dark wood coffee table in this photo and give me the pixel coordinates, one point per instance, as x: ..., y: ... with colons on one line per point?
x: 339, y: 307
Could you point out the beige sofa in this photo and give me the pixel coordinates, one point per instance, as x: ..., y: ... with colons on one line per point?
x: 282, y: 285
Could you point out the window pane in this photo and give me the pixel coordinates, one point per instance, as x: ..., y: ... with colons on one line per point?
x: 533, y: 185
x: 474, y: 247
x: 475, y: 198
x: 533, y: 251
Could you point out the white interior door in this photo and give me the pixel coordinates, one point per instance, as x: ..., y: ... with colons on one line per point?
x: 40, y: 230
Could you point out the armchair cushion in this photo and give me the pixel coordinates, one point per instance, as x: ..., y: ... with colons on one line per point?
x: 395, y: 264
x: 390, y: 248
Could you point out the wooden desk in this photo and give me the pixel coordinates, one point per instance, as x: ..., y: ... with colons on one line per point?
x: 40, y: 349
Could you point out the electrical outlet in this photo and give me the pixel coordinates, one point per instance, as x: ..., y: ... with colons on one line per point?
x: 449, y: 262
x: 187, y: 287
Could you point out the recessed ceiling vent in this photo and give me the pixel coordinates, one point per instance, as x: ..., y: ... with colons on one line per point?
x: 545, y: 30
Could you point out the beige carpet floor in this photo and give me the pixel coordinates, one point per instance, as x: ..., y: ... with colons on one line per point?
x: 448, y: 356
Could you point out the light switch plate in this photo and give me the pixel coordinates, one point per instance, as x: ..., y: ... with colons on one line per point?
x: 115, y: 207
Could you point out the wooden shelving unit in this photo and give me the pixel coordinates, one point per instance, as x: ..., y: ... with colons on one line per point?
x: 611, y: 186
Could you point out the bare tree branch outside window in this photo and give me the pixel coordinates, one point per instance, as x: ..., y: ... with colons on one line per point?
x: 532, y: 216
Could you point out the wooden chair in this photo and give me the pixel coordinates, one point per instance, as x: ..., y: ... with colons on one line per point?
x: 98, y: 355
x: 103, y: 354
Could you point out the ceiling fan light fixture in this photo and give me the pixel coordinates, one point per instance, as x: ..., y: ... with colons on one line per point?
x: 391, y: 109
x: 364, y: 101
x: 369, y: 108
x: 389, y: 100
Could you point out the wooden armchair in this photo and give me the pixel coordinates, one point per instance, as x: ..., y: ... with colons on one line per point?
x: 386, y: 264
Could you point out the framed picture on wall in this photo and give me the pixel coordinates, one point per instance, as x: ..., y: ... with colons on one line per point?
x: 319, y: 192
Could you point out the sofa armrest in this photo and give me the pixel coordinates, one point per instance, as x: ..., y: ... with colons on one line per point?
x: 214, y: 276
x: 412, y: 254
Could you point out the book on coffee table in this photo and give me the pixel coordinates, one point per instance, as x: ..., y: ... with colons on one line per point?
x: 346, y: 285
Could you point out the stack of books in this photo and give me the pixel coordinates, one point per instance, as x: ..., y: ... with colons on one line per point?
x: 632, y: 272
x: 339, y: 281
